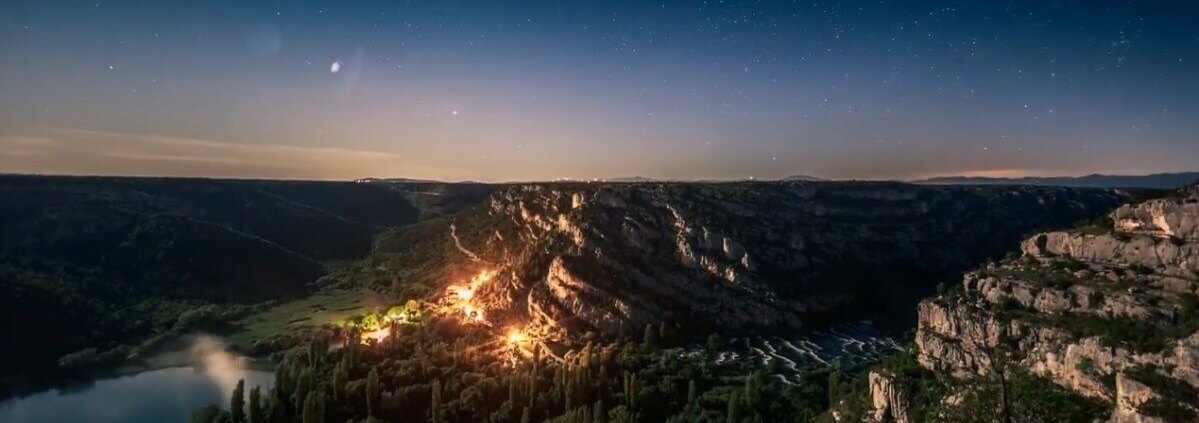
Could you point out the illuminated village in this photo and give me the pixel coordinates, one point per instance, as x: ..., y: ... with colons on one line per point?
x: 458, y: 301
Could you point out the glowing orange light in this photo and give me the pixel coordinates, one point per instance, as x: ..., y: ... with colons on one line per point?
x: 463, y: 293
x: 515, y: 337
x: 461, y: 297
x: 377, y: 335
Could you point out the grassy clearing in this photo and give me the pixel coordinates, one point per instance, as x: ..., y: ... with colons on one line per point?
x: 326, y: 307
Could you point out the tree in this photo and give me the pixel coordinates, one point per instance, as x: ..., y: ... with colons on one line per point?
x: 599, y: 414
x: 435, y: 406
x: 371, y: 322
x: 237, y: 410
x: 341, y: 376
x: 318, y: 347
x: 630, y: 390
x: 753, y: 391
x: 373, y: 393
x: 834, y: 385
x: 256, y: 414
x: 314, y: 408
x: 734, y: 411
x: 692, y: 393
x: 303, y: 387
x: 650, y: 339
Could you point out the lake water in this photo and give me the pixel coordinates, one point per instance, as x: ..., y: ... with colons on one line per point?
x: 157, y: 396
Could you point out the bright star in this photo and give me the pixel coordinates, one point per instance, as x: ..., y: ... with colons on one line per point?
x: 336, y: 66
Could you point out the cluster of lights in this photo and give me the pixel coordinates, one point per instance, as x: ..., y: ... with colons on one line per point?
x: 462, y: 297
x: 514, y: 344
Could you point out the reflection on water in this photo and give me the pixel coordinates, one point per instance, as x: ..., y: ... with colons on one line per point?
x: 164, y: 395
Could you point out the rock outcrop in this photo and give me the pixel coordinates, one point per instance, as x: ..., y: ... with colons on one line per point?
x: 889, y: 400
x: 743, y: 256
x: 1108, y: 312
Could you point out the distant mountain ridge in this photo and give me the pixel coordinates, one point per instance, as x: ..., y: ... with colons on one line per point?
x: 1153, y: 181
x: 802, y: 177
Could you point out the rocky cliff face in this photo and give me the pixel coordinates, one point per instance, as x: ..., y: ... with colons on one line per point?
x: 889, y: 399
x: 1107, y: 311
x: 742, y: 256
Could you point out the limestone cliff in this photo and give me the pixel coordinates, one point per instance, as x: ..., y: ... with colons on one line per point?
x: 1107, y: 311
x: 743, y: 256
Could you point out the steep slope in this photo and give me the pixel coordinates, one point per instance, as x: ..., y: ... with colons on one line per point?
x: 1108, y: 312
x: 741, y: 256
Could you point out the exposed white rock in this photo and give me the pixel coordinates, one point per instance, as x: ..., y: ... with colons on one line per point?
x: 1130, y: 396
x: 889, y: 400
x: 1138, y: 250
x: 1137, y: 274
x: 1160, y: 218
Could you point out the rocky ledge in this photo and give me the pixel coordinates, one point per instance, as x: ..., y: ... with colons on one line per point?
x: 1107, y: 311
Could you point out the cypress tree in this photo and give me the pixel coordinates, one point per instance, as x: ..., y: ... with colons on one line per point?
x: 373, y: 394
x: 513, y: 391
x: 256, y: 414
x: 570, y: 395
x: 599, y: 414
x: 341, y: 376
x: 277, y: 412
x: 435, y: 407
x: 650, y: 339
x: 630, y: 390
x: 303, y: 387
x: 752, y: 393
x: 834, y: 386
x: 535, y: 376
x: 734, y: 415
x: 314, y: 410
x: 237, y: 402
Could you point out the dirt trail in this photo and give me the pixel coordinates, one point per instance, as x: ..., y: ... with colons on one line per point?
x: 457, y: 243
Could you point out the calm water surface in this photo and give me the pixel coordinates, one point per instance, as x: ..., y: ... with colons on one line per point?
x: 157, y: 396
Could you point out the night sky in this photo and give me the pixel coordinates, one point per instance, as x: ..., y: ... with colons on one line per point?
x: 526, y: 90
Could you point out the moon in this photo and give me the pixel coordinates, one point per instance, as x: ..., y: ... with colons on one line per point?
x: 336, y: 66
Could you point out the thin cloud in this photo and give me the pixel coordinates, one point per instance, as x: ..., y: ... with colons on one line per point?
x: 80, y: 151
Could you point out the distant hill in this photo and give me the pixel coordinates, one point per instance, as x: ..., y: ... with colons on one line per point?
x: 408, y: 181
x: 800, y: 177
x: 1152, y: 181
x: 631, y: 179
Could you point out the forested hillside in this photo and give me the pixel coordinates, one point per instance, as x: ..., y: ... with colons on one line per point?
x: 92, y: 263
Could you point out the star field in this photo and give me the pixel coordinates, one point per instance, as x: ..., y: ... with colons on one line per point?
x: 541, y: 89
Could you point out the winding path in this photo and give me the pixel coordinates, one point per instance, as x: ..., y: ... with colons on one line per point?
x: 457, y: 243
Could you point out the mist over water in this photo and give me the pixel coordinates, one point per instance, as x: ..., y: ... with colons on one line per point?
x: 211, y: 358
x: 163, y: 395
